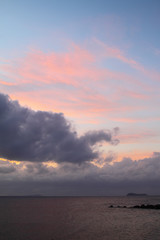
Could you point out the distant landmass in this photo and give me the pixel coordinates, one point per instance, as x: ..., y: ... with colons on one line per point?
x: 137, y: 194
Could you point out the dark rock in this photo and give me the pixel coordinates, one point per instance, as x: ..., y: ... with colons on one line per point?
x: 142, y: 206
x: 136, y: 206
x: 148, y: 206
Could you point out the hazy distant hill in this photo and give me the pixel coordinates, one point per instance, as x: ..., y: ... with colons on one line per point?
x: 137, y: 194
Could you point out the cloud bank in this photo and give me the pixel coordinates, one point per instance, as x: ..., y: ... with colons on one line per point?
x: 85, y: 179
x: 39, y: 136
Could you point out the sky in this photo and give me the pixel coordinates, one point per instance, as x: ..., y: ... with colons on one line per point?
x: 79, y: 97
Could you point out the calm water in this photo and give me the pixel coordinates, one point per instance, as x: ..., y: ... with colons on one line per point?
x: 79, y: 218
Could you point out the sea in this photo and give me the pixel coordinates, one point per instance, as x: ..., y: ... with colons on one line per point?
x: 78, y: 218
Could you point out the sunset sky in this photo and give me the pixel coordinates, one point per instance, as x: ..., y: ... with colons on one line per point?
x: 79, y: 97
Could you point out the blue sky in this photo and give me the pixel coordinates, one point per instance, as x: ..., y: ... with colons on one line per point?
x: 27, y: 23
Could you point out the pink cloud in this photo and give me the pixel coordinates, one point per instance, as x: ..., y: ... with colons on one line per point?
x: 73, y: 104
x: 7, y: 83
x: 74, y: 83
x: 55, y: 67
x: 126, y: 120
x: 137, y: 137
x: 75, y: 67
x: 117, y: 53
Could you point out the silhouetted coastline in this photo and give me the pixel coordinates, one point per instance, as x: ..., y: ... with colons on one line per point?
x: 137, y: 194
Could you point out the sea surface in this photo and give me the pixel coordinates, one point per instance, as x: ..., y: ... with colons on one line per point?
x: 78, y: 218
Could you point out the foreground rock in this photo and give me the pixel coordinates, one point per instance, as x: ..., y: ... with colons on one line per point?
x: 143, y: 206
x: 148, y: 206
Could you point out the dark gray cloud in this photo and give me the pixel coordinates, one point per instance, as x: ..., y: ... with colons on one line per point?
x: 93, y: 137
x: 38, y: 136
x: 6, y: 170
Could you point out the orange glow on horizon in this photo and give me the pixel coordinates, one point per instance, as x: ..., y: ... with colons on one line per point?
x: 134, y: 155
x: 11, y: 161
x: 51, y: 164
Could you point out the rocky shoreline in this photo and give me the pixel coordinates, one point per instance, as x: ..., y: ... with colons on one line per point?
x: 142, y: 206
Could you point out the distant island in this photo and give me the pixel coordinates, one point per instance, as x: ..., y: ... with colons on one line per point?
x: 136, y: 194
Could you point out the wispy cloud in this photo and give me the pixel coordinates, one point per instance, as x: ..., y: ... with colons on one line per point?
x: 6, y: 83
x: 113, y: 52
x: 75, y: 79
x: 157, y: 51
